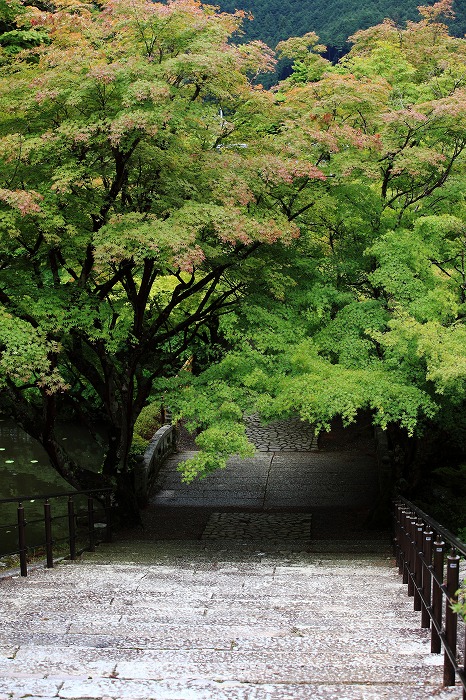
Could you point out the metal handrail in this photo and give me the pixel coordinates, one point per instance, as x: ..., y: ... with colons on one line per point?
x: 419, y: 544
x: 43, y: 497
x: 448, y: 536
x: 48, y: 519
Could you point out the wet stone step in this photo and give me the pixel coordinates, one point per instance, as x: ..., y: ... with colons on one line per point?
x: 271, y: 527
x: 204, y: 624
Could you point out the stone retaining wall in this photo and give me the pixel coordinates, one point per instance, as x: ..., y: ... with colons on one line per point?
x: 162, y: 444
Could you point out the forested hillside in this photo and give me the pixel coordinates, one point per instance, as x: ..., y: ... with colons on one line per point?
x: 333, y: 20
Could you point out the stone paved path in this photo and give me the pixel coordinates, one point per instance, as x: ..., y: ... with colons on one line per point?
x: 289, y: 480
x: 291, y: 435
x: 232, y: 592
x: 197, y: 621
x: 273, y: 528
x: 338, y: 488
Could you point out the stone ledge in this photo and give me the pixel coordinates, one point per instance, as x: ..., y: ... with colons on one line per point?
x: 162, y: 444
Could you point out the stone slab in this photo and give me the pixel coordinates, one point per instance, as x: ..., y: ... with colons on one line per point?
x: 108, y: 689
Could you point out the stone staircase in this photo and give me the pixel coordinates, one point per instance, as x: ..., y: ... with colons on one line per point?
x: 261, y: 582
x: 211, y: 620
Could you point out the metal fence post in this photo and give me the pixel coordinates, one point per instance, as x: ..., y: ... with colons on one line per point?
x: 22, y: 541
x: 404, y: 546
x: 411, y: 528
x: 418, y: 558
x: 437, y: 602
x: 108, y: 518
x: 426, y: 577
x: 451, y: 618
x: 48, y: 534
x: 464, y: 663
x: 396, y: 531
x: 397, y: 543
x: 71, y: 528
x: 90, y: 522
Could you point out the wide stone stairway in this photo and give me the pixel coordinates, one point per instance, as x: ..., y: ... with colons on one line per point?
x: 267, y: 600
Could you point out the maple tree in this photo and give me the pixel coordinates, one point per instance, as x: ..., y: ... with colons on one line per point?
x: 137, y: 162
x: 370, y: 313
x: 154, y: 201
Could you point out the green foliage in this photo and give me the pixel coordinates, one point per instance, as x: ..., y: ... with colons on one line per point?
x: 148, y: 421
x: 156, y: 206
x: 334, y: 20
x: 16, y: 32
x: 459, y: 606
x: 216, y: 409
x: 217, y: 443
x: 138, y: 447
x: 367, y: 308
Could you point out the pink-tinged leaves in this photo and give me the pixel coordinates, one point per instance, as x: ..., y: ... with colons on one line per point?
x: 130, y: 122
x: 256, y: 57
x: 187, y: 238
x: 47, y: 94
x: 105, y: 73
x: 418, y: 162
x: 189, y: 260
x: 433, y: 13
x: 146, y: 91
x: 404, y: 116
x: 275, y: 170
x: 453, y: 106
x: 21, y: 200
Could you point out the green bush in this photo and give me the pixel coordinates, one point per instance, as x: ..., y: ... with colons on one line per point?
x: 460, y: 606
x: 138, y: 446
x: 148, y: 421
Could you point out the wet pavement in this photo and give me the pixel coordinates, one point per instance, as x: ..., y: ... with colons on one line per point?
x: 274, y: 480
x: 211, y: 621
x: 261, y: 582
x: 337, y: 487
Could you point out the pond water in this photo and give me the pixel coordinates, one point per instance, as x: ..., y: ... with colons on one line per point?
x: 25, y: 470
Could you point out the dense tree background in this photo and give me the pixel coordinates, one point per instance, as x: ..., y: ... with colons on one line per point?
x: 305, y: 244
x: 333, y: 20
x: 369, y: 313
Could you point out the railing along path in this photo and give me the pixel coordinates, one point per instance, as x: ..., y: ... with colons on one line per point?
x: 76, y: 520
x: 433, y: 580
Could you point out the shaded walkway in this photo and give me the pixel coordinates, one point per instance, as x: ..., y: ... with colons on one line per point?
x: 287, y: 481
x: 337, y: 484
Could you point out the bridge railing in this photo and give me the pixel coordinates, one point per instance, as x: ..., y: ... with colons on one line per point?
x: 429, y: 557
x: 35, y: 528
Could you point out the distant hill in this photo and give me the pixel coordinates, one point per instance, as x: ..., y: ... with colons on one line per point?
x: 333, y: 20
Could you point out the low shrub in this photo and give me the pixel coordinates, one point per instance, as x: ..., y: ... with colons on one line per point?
x: 148, y: 421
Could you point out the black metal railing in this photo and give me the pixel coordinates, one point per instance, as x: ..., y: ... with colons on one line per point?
x: 65, y: 519
x: 433, y: 580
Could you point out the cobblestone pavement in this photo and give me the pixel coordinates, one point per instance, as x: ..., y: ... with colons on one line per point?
x: 273, y: 528
x: 290, y: 435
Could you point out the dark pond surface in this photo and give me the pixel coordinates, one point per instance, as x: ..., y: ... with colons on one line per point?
x: 25, y: 470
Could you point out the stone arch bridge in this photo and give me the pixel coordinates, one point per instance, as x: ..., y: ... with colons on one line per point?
x: 296, y: 487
